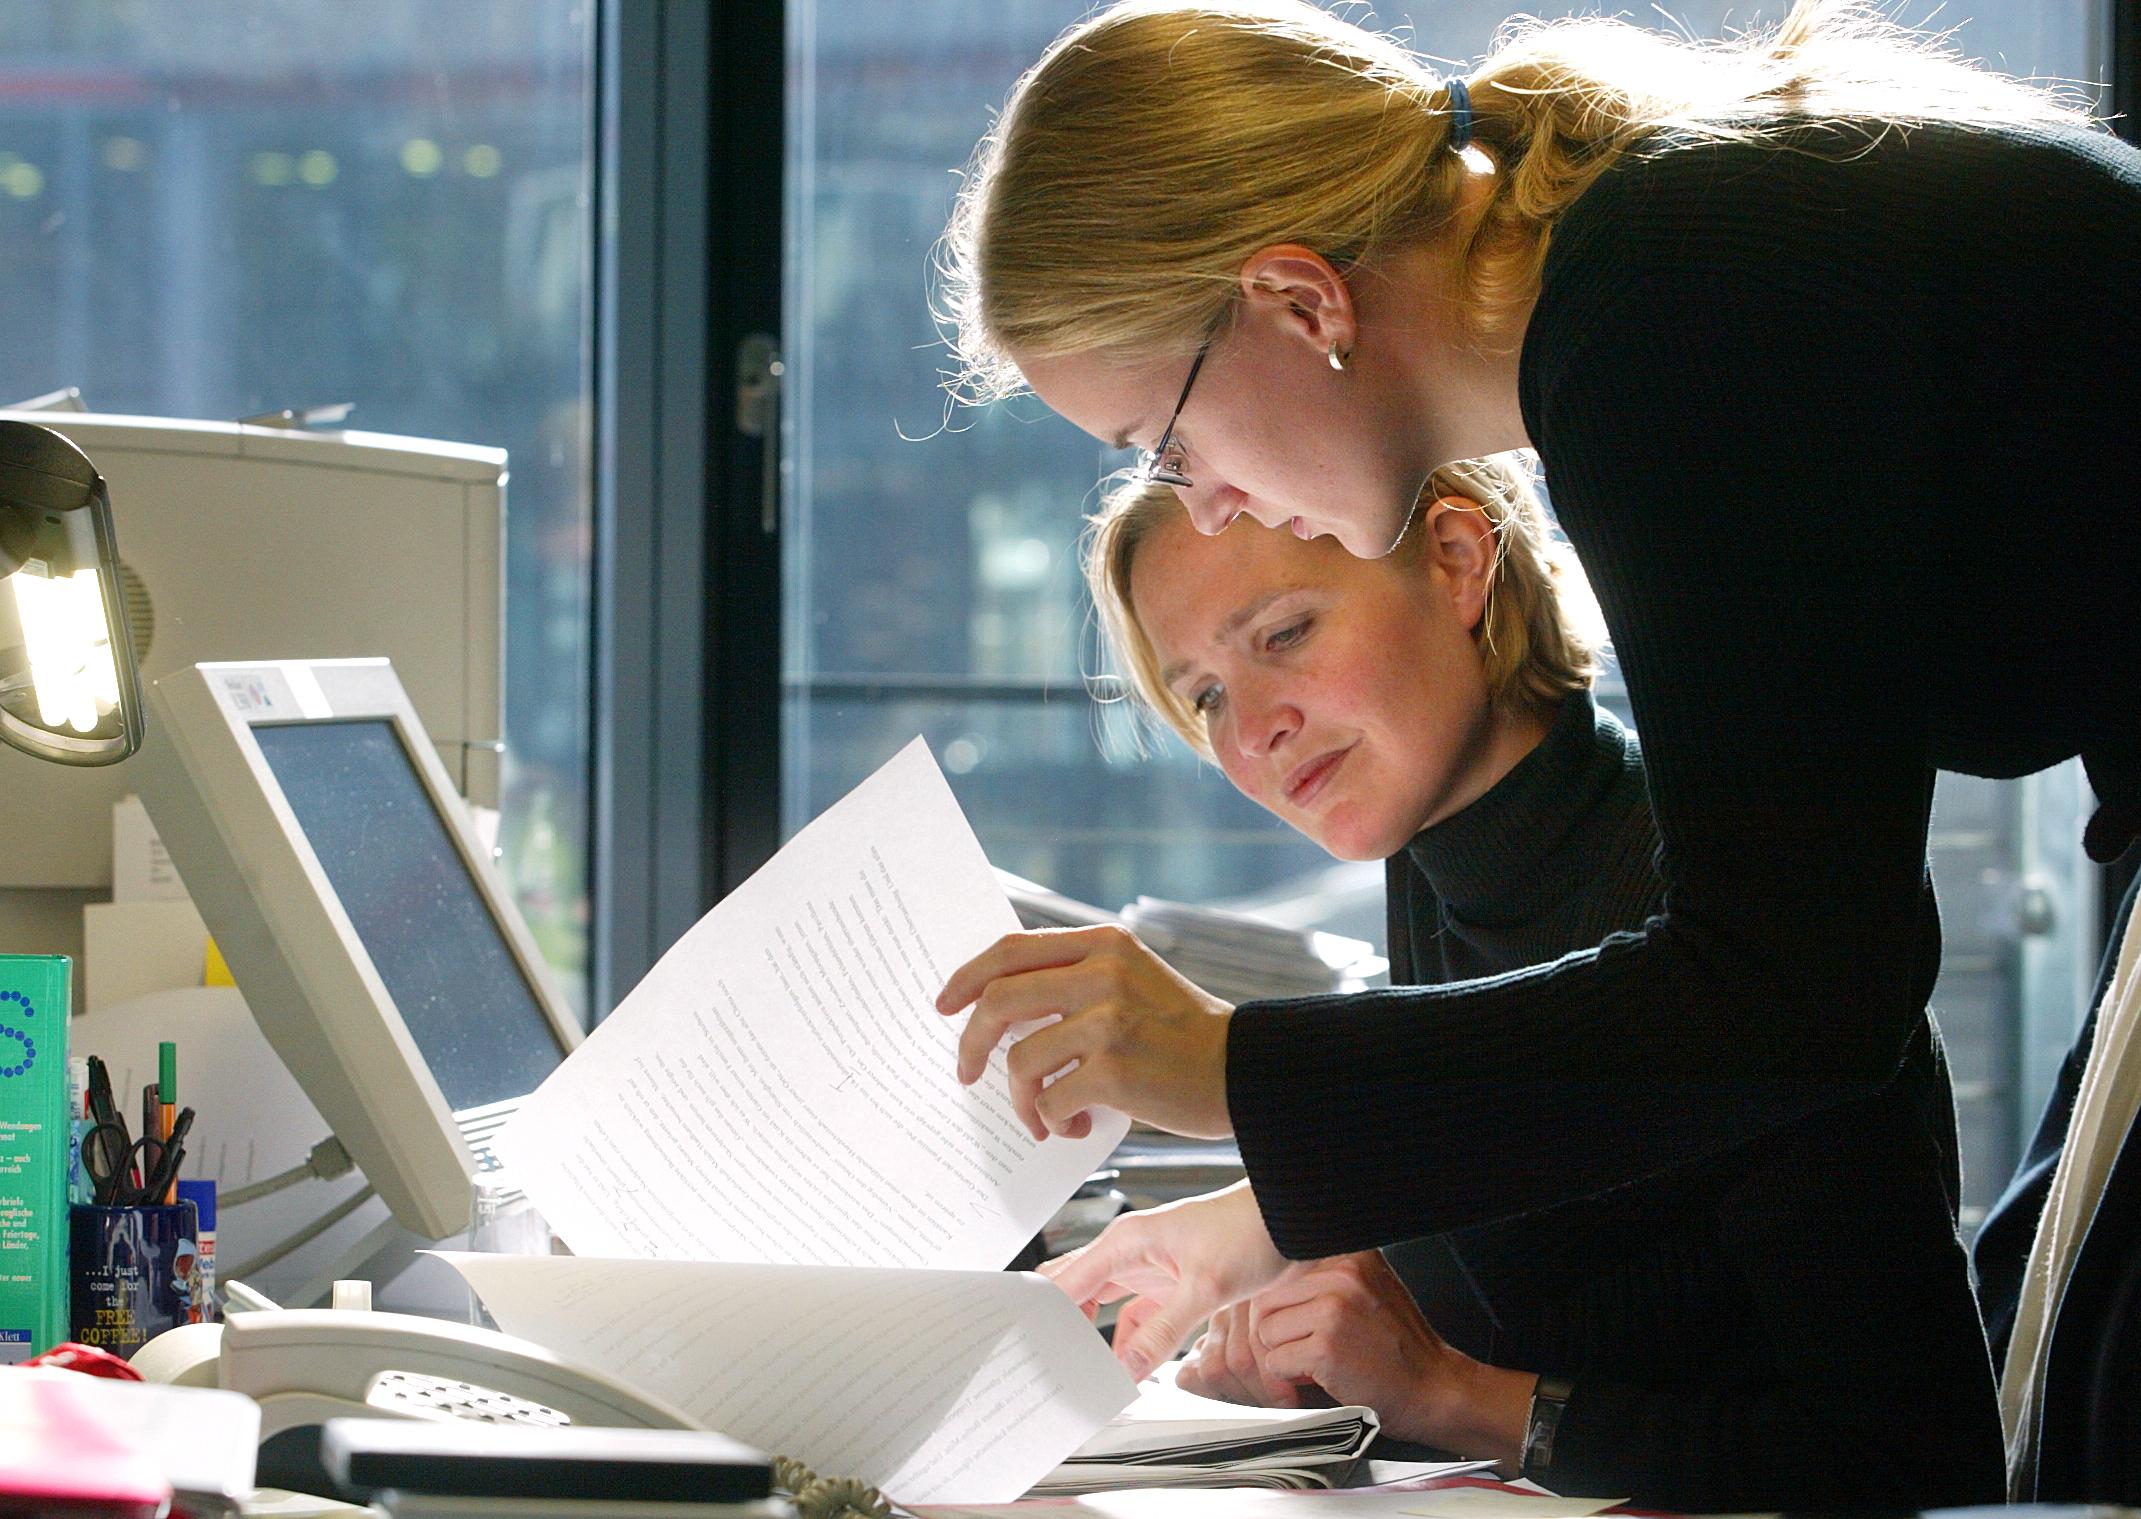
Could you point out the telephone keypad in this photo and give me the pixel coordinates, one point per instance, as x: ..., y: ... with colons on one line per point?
x: 415, y: 1396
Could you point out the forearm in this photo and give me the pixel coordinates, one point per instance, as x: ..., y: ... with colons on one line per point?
x: 1440, y: 1108
x: 1479, y: 1414
x: 1774, y: 1447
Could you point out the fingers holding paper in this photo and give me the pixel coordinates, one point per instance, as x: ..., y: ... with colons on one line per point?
x: 1115, y: 1027
x: 1183, y: 1262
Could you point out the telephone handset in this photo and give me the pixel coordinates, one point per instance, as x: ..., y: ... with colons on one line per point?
x: 306, y: 1365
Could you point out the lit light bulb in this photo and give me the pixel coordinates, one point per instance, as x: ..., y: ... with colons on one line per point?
x: 72, y: 667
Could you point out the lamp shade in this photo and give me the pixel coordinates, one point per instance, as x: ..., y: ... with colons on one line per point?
x: 68, y: 689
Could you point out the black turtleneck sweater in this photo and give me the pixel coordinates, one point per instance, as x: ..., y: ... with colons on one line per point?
x: 1786, y: 1325
x: 1842, y: 431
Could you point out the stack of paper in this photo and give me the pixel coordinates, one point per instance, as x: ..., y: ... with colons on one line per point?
x: 1171, y: 1438
x: 1039, y: 907
x: 1232, y: 955
x: 1239, y: 958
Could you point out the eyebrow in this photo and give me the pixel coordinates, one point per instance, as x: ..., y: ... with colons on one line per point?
x: 1236, y: 620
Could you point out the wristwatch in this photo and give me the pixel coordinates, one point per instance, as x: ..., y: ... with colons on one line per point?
x: 1549, y: 1399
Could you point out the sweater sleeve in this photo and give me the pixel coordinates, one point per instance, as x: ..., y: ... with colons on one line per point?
x: 1881, y: 1395
x: 1695, y: 435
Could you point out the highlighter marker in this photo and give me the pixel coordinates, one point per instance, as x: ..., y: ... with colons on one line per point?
x: 167, y: 1098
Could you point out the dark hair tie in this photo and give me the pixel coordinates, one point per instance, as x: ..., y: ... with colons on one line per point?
x: 1460, y: 114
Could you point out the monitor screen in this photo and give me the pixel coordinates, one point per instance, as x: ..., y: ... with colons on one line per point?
x: 416, y: 906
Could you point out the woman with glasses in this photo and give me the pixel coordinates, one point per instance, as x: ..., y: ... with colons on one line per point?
x: 1827, y: 344
x: 1728, y: 1336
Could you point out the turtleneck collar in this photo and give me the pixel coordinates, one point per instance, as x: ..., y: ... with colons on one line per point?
x: 1523, y: 846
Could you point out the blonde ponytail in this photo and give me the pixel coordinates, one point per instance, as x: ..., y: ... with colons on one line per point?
x: 1156, y: 146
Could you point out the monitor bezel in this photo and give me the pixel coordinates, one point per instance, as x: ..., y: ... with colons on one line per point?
x: 281, y: 926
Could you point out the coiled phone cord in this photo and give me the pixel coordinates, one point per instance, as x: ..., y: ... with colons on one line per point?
x: 819, y: 1497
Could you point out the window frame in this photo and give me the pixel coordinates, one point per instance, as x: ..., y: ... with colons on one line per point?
x: 687, y: 584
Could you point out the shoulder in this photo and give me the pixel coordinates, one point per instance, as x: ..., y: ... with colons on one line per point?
x: 1708, y: 178
x: 1829, y: 202
x: 1819, y: 278
x: 1618, y: 741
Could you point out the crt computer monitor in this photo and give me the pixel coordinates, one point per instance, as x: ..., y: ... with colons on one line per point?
x: 360, y: 914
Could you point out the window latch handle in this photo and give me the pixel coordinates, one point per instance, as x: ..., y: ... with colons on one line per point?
x: 758, y: 415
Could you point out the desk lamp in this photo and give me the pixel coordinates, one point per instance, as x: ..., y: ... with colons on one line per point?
x: 67, y: 684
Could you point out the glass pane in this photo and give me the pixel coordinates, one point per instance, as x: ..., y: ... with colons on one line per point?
x: 222, y: 210
x: 932, y: 580
x: 932, y: 577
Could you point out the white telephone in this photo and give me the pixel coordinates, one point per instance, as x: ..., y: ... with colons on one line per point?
x: 307, y: 1365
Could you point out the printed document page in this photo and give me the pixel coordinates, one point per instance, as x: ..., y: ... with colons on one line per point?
x: 961, y: 1386
x: 781, y: 1088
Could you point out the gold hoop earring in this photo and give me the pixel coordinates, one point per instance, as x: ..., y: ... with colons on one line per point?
x: 1338, y: 360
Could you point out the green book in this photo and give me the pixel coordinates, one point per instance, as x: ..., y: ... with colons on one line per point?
x: 34, y: 1137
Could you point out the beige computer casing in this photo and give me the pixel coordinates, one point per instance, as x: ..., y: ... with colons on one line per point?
x: 248, y: 542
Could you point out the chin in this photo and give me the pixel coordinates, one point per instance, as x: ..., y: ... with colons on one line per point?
x: 1352, y: 847
x: 1371, y: 540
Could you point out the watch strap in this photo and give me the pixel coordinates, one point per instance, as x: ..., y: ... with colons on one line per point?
x: 1549, y: 1399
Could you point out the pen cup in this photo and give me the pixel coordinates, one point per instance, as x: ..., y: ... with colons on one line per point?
x: 135, y: 1273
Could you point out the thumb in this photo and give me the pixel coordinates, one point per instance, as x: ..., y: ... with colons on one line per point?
x: 1088, y: 1274
x: 1131, y: 1317
x: 1156, y: 1335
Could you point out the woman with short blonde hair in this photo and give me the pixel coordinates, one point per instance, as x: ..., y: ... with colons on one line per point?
x: 1539, y: 641
x: 1729, y: 1325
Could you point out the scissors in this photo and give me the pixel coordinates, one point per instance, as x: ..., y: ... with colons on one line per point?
x: 118, y: 1163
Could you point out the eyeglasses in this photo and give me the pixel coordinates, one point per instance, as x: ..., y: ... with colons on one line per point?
x: 1163, y: 463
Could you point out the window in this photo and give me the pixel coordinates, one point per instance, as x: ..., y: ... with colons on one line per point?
x: 219, y: 211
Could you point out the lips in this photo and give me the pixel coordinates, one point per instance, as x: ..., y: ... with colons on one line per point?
x: 1301, y: 528
x: 1307, y: 781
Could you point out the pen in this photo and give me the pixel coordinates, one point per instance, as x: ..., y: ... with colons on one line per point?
x: 167, y: 1100
x: 101, y: 1106
x: 152, y: 1124
x: 107, y: 1115
x: 162, y: 1180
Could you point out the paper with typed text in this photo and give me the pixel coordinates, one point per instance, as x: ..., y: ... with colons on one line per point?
x: 933, y: 1385
x: 780, y: 1087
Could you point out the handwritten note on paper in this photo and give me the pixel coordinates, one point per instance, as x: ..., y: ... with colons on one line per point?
x: 934, y: 1385
x: 780, y: 1088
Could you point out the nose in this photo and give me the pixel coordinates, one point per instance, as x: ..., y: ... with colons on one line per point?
x: 1210, y: 508
x: 1263, y: 719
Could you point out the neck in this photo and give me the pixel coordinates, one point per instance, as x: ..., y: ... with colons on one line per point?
x: 1507, y: 738
x: 1456, y: 394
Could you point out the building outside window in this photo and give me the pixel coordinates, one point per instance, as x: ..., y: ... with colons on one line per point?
x: 219, y: 211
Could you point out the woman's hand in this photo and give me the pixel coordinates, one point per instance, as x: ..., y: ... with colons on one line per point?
x: 1227, y: 1363
x: 1183, y: 1262
x: 1348, y: 1325
x: 1129, y: 1032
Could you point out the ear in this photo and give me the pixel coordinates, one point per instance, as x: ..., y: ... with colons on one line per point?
x: 1459, y: 540
x: 1301, y: 290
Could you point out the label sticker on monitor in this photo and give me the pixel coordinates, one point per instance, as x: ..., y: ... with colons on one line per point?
x: 263, y: 691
